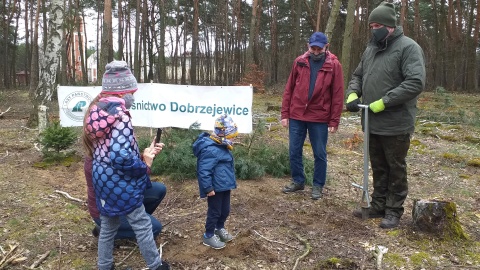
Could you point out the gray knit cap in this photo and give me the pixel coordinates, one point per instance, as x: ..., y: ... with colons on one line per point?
x: 118, y: 79
x: 383, y: 14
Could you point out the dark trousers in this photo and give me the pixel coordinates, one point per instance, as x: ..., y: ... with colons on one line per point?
x: 218, y: 211
x: 389, y: 167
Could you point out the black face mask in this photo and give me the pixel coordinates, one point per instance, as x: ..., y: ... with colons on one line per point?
x: 317, y: 57
x: 380, y: 34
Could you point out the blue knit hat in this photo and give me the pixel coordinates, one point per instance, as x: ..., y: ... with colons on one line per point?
x: 225, y: 127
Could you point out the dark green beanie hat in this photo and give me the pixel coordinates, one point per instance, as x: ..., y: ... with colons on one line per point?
x: 383, y: 14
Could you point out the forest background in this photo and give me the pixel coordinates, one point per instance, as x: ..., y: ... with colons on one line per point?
x: 233, y: 42
x: 216, y: 42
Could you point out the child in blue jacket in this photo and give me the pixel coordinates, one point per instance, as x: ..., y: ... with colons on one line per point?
x: 216, y: 177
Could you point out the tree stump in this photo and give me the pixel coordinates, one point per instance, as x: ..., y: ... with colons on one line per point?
x: 438, y: 218
x: 42, y: 118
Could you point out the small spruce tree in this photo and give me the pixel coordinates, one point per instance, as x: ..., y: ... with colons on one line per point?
x: 57, y: 138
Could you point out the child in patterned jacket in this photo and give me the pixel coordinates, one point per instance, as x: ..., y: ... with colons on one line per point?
x: 120, y: 174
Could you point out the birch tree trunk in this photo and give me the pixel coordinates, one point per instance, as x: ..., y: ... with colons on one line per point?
x: 50, y: 62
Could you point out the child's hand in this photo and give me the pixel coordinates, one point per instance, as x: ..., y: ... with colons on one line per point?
x: 148, y: 156
x: 211, y: 193
x: 156, y: 148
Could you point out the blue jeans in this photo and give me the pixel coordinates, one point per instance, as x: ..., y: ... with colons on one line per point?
x: 140, y: 222
x: 318, y: 135
x: 152, y: 198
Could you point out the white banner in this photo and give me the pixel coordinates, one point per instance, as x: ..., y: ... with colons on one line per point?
x: 167, y: 105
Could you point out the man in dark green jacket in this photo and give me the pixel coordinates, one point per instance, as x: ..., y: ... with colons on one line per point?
x: 389, y: 78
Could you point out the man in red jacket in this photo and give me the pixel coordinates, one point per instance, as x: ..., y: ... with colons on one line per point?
x: 312, y: 102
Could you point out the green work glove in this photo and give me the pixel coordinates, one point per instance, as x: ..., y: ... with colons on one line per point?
x: 352, y: 103
x: 377, y: 106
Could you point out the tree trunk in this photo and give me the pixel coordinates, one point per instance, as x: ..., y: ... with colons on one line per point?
x: 162, y: 70
x: 476, y: 41
x: 332, y: 19
x: 470, y: 49
x: 121, y: 19
x: 82, y: 42
x: 404, y: 16
x: 34, y: 70
x: 27, y: 45
x: 227, y: 41
x: 251, y: 37
x: 319, y: 15
x: 51, y: 61
x: 183, y: 79
x: 105, y: 57
x: 438, y: 218
x: 193, y: 62
x: 274, y: 42
x: 15, y: 46
x: 144, y: 39
x: 297, y: 48
x: 97, y: 43
x: 45, y: 25
x: 136, y: 51
x: 237, y: 43
x: 347, y: 40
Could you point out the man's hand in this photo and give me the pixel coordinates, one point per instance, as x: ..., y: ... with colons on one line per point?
x: 352, y: 103
x: 332, y: 129
x: 377, y: 106
x: 284, y: 122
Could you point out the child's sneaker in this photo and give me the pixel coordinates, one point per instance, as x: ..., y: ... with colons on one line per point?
x: 224, y: 235
x: 213, y: 242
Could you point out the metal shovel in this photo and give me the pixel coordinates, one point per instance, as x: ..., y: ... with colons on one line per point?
x: 365, y: 203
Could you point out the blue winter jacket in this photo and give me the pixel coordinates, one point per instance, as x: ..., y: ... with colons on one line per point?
x: 215, y: 165
x: 119, y: 175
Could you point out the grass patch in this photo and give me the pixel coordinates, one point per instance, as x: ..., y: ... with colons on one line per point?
x: 421, y: 259
x: 453, y: 157
x: 395, y: 259
x: 336, y: 263
x: 474, y: 162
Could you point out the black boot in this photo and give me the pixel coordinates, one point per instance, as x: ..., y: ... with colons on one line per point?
x: 164, y: 266
x: 389, y: 221
x: 96, y: 231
